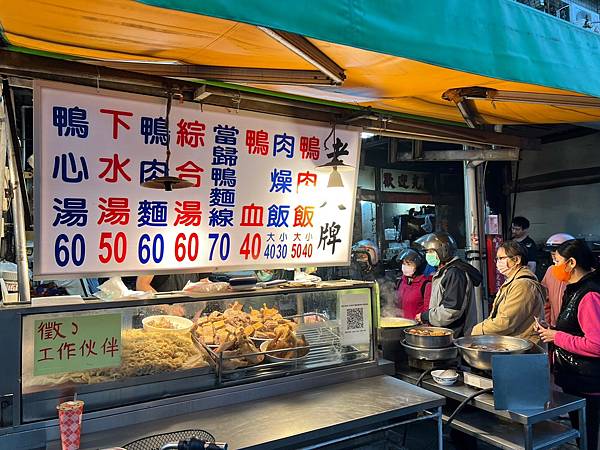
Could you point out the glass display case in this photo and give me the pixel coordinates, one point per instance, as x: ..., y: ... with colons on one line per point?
x: 113, y: 354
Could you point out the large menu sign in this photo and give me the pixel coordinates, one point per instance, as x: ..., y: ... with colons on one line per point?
x: 257, y: 198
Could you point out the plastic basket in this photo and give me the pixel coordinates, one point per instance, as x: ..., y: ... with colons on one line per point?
x: 156, y: 441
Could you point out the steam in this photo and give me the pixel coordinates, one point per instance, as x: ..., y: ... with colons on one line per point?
x: 388, y: 296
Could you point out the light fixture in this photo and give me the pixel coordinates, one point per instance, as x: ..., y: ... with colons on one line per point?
x: 366, y: 135
x: 308, y: 52
x: 335, y: 179
x: 167, y: 183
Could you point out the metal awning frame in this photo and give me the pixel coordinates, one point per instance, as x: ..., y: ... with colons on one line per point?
x: 28, y: 66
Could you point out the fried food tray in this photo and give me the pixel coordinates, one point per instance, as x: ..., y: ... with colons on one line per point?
x: 324, y: 345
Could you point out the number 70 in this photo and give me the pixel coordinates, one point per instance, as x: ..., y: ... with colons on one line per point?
x: 224, y: 245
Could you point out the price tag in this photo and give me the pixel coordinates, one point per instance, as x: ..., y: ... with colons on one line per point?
x: 76, y: 343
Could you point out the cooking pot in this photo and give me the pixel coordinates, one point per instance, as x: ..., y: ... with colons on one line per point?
x: 430, y: 354
x: 390, y: 333
x: 487, y: 346
x: 417, y: 340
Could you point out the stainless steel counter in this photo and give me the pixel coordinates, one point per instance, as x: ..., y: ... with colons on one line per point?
x: 287, y: 421
x: 511, y: 430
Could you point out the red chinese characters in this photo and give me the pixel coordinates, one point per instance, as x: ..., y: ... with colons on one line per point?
x: 189, y: 213
x: 115, y: 211
x: 303, y: 216
x: 310, y: 147
x: 191, y: 133
x: 115, y: 168
x: 307, y: 179
x: 257, y: 142
x: 190, y: 171
x: 117, y: 120
x: 252, y: 216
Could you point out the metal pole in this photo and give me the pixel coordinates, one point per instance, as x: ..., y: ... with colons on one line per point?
x: 18, y: 210
x: 2, y: 176
x: 472, y: 225
x: 481, y: 202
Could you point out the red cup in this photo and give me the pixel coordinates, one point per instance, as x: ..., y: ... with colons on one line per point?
x: 69, y: 420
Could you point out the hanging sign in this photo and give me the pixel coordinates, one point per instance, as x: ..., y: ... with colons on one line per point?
x: 78, y: 343
x: 258, y: 199
x: 405, y: 181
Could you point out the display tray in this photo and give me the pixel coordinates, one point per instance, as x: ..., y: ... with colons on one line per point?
x: 41, y: 405
x: 324, y: 350
x: 80, y: 388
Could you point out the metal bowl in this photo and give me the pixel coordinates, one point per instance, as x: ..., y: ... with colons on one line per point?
x: 482, y: 358
x: 430, y: 354
x: 429, y: 341
x: 272, y: 358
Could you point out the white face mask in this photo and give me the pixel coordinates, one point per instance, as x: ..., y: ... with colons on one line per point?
x: 408, y: 271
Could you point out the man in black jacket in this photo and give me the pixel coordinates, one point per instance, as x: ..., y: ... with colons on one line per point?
x: 453, y: 304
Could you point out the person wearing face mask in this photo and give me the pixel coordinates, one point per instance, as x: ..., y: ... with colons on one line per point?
x: 414, y: 288
x: 576, y: 336
x: 519, y: 299
x: 452, y: 302
x: 554, y: 287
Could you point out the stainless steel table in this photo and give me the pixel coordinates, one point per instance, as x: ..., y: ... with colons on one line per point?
x: 306, y: 419
x: 519, y: 429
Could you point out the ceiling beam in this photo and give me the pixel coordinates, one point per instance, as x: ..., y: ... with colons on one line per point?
x: 562, y: 178
x: 309, y: 52
x: 461, y: 155
x: 221, y: 73
x: 495, y: 95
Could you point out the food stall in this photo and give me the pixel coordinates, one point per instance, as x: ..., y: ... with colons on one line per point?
x: 136, y: 367
x: 230, y: 191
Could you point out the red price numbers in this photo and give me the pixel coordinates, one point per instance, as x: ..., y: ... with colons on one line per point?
x: 251, y: 246
x: 112, y: 247
x: 302, y: 250
x: 186, y: 246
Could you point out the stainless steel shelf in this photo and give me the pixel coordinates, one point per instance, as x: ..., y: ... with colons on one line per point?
x: 560, y: 402
x: 510, y: 436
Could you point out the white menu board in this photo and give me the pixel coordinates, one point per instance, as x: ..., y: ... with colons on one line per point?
x: 258, y: 199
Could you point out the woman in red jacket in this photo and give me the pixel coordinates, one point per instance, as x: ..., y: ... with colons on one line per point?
x: 413, y: 288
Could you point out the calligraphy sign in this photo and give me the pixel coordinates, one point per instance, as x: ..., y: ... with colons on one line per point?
x: 405, y: 181
x: 257, y: 198
x: 73, y: 344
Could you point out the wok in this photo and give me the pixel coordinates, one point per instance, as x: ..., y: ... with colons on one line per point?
x: 481, y: 358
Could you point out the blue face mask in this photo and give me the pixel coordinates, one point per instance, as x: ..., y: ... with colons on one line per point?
x: 432, y: 259
x: 263, y: 276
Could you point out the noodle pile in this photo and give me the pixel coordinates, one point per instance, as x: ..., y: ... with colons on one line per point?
x: 143, y: 353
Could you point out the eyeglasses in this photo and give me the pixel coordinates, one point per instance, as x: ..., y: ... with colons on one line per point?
x: 500, y: 258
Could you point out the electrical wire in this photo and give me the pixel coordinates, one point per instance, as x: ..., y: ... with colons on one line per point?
x: 460, y: 407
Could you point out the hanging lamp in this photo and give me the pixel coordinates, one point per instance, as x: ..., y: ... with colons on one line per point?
x: 167, y: 183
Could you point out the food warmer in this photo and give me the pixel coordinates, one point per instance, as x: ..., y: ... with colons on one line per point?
x: 331, y: 327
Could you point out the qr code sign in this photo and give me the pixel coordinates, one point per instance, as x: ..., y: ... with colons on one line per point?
x: 355, y: 319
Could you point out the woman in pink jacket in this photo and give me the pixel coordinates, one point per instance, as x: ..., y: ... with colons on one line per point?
x: 414, y: 288
x: 576, y: 335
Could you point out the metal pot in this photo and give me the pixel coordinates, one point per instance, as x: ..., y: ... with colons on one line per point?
x: 389, y: 337
x: 429, y: 341
x: 482, y: 358
x: 430, y: 354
